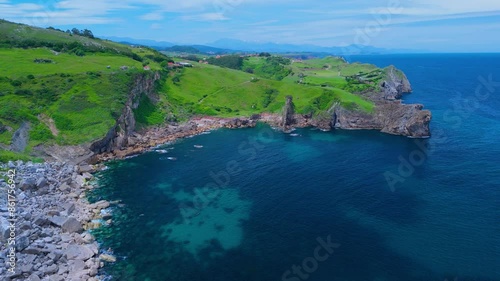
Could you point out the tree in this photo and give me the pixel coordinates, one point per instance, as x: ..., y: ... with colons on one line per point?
x: 88, y: 33
x: 75, y: 31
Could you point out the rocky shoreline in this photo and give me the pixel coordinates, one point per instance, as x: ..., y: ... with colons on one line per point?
x: 52, y: 223
x: 138, y: 143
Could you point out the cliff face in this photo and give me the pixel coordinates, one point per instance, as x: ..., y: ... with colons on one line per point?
x: 288, y: 113
x: 120, y: 135
x: 20, y: 138
x: 389, y: 117
x: 390, y: 114
x: 395, y: 84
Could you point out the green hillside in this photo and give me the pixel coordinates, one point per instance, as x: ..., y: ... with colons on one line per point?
x: 79, y: 96
x: 72, y: 88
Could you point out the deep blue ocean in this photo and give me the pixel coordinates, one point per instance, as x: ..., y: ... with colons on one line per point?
x: 261, y: 205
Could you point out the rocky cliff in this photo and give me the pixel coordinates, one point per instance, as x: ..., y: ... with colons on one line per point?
x: 390, y: 114
x: 120, y: 135
x: 288, y: 118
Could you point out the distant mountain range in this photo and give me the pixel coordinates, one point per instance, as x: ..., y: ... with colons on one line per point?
x: 291, y: 48
x: 144, y: 42
x: 223, y: 46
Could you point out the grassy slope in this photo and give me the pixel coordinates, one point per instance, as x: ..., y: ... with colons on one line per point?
x: 80, y: 94
x: 206, y: 89
x: 84, y: 97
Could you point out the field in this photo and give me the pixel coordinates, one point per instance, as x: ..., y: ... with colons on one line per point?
x: 67, y: 98
x: 74, y: 95
x: 211, y: 90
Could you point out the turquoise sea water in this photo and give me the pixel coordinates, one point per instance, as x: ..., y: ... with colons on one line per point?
x: 255, y: 204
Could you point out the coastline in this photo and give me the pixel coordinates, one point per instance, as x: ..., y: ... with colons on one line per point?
x: 59, y: 188
x: 52, y: 223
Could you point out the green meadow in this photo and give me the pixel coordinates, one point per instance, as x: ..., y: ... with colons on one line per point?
x: 74, y: 96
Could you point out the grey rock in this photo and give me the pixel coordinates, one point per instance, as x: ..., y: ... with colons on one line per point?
x: 20, y: 138
x: 80, y: 181
x: 4, y: 229
x: 29, y: 258
x: 54, y: 256
x: 103, y: 204
x: 22, y: 242
x: 27, y: 184
x: 107, y: 258
x: 85, y: 169
x: 51, y: 269
x: 25, y: 226
x: 87, y: 238
x: 32, y: 251
x: 78, y: 252
x: 26, y: 268
x: 87, y: 176
x: 54, y: 277
x: 40, y: 220
x: 64, y: 187
x: 72, y: 225
x: 76, y: 265
x: 69, y: 208
x: 41, y: 182
x: 58, y: 220
x: 34, y: 277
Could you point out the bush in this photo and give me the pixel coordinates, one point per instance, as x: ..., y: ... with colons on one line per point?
x: 31, y: 76
x: 62, y: 122
x: 41, y: 133
x: 16, y: 83
x: 6, y: 156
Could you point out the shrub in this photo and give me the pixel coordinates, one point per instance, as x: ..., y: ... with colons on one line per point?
x: 16, y: 83
x: 41, y: 133
x: 62, y: 122
x: 31, y: 76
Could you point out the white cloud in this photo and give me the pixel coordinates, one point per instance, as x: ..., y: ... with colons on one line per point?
x: 154, y: 16
x: 156, y: 26
x: 206, y: 17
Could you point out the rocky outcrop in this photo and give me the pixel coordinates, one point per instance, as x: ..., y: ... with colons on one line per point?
x: 395, y: 84
x: 153, y: 137
x: 388, y: 117
x: 118, y: 137
x: 52, y: 235
x: 20, y: 138
x: 288, y: 113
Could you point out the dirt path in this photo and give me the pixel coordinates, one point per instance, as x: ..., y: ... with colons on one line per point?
x: 50, y: 123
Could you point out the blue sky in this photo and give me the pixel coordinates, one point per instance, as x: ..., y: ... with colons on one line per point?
x: 434, y: 25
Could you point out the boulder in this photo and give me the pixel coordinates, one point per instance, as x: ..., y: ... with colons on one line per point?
x: 41, y: 182
x: 33, y: 277
x: 69, y: 208
x: 27, y: 184
x: 40, y: 220
x: 64, y: 187
x: 51, y: 269
x: 4, y: 229
x: 72, y: 225
x: 80, y: 180
x: 87, y: 176
x: 103, y: 204
x: 58, y: 220
x: 78, y: 252
x: 85, y: 169
x: 107, y: 258
x: 22, y: 242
